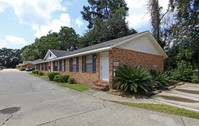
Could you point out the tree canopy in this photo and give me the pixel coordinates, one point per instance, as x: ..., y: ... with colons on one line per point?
x: 10, y: 57
x: 106, y: 20
x: 66, y: 39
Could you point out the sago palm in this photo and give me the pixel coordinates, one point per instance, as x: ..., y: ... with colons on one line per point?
x: 132, y: 78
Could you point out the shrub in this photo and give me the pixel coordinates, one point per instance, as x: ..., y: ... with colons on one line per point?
x: 71, y: 80
x: 34, y: 71
x: 195, y: 78
x: 51, y: 75
x: 57, y: 78
x: 65, y: 78
x: 184, y: 72
x: 159, y: 79
x: 22, y: 69
x: 61, y: 78
x: 40, y: 73
x: 132, y: 78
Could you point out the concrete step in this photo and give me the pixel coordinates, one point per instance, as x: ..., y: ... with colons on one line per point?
x: 98, y: 88
x: 101, y: 85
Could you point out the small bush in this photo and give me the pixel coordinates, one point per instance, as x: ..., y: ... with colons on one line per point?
x: 40, y: 73
x: 159, y: 79
x: 132, y: 78
x: 57, y: 78
x: 71, y: 80
x: 65, y: 78
x: 22, y: 69
x: 51, y: 75
x: 61, y: 78
x: 184, y: 72
x: 195, y: 78
x: 34, y: 71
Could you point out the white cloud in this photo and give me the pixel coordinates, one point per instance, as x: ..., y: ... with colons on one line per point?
x: 34, y: 12
x: 138, y: 14
x: 3, y: 43
x: 54, y: 25
x: 78, y: 22
x: 3, y: 5
x: 15, y: 40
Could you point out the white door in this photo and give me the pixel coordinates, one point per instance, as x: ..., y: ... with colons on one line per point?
x: 104, y: 66
x: 51, y: 66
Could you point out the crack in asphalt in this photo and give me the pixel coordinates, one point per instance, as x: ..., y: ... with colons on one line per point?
x: 73, y: 115
x: 7, y: 120
x: 182, y: 120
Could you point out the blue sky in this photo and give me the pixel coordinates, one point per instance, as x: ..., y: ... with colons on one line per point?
x: 21, y: 21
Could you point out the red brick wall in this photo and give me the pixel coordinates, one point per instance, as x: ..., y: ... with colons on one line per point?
x: 123, y: 56
x: 129, y: 57
x: 81, y: 77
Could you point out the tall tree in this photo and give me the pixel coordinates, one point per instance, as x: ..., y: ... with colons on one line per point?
x: 183, y: 34
x: 66, y: 39
x: 106, y: 21
x: 156, y: 20
x: 10, y: 57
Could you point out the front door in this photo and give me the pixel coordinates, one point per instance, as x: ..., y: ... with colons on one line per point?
x: 49, y: 66
x: 104, y: 66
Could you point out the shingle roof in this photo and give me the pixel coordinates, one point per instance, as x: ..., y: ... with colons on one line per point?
x: 61, y: 53
x: 101, y: 45
x: 37, y: 61
x: 58, y: 53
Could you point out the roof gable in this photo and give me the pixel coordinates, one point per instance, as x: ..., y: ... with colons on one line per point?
x: 145, y: 44
x: 49, y: 55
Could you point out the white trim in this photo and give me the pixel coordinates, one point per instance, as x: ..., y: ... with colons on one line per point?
x: 120, y: 43
x: 159, y: 47
x: 87, y: 52
x: 153, y: 40
x: 49, y: 51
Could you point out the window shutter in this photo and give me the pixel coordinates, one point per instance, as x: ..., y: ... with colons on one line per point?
x: 94, y: 63
x: 70, y: 64
x: 64, y: 65
x: 77, y: 63
x: 83, y: 63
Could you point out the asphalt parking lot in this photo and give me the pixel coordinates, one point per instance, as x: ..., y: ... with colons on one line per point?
x: 39, y: 102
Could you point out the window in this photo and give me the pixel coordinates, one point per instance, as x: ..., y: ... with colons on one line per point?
x: 55, y: 65
x: 74, y: 62
x: 89, y: 63
x: 42, y: 66
x: 46, y: 64
x: 38, y: 66
x: 62, y: 65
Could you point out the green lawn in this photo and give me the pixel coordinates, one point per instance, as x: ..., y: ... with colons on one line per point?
x: 35, y: 75
x: 78, y: 87
x: 163, y: 108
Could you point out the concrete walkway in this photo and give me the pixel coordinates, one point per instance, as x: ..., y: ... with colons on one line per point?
x: 47, y: 104
x: 185, y: 96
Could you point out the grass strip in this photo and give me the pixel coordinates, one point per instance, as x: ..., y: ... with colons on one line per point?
x: 35, y: 75
x: 78, y: 87
x: 163, y: 108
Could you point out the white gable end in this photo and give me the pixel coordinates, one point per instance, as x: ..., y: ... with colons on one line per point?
x: 49, y: 55
x: 141, y: 44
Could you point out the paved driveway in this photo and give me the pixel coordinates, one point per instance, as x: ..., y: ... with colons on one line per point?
x: 46, y: 103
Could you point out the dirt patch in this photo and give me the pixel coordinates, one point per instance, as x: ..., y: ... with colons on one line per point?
x: 175, y: 98
x: 188, y: 91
